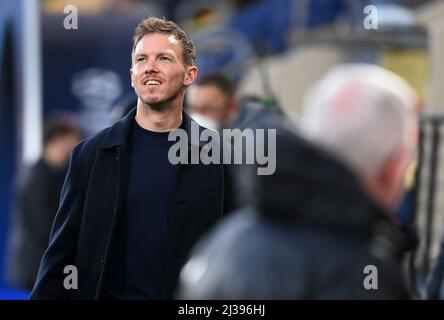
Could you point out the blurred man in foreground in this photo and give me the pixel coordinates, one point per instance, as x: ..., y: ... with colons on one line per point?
x: 322, y: 226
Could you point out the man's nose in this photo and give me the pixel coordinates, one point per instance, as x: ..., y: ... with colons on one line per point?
x: 151, y: 67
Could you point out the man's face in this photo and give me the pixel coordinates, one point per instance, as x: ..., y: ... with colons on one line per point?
x: 158, y: 73
x: 209, y: 101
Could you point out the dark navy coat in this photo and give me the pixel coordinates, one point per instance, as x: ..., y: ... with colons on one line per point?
x: 91, y: 203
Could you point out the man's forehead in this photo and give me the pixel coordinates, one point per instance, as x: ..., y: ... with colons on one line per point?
x: 172, y: 38
x: 163, y: 41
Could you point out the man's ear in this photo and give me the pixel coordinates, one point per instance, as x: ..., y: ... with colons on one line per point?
x: 392, y: 175
x: 389, y: 169
x: 190, y: 75
x: 132, y: 77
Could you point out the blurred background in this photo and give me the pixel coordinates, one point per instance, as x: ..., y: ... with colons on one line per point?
x: 272, y: 50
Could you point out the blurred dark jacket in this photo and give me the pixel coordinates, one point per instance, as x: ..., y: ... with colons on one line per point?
x: 92, y: 201
x: 37, y: 199
x: 309, y: 235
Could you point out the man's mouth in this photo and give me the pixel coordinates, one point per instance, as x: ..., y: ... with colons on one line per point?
x: 152, y: 83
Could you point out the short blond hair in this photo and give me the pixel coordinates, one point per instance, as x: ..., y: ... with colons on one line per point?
x: 156, y: 25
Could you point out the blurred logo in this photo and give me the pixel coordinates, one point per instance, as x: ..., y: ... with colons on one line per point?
x: 97, y: 89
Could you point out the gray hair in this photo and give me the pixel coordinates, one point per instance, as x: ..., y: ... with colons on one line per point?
x: 362, y: 113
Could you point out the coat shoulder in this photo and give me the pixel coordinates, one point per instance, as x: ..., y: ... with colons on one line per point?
x: 89, y: 145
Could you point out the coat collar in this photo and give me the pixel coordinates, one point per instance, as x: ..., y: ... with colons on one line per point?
x: 118, y: 134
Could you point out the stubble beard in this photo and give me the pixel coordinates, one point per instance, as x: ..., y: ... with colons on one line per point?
x: 155, y: 105
x: 160, y: 105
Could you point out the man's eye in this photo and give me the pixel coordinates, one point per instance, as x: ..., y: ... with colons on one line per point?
x: 164, y: 59
x: 141, y: 59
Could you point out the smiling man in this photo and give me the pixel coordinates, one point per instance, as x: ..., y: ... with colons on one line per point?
x: 128, y: 217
